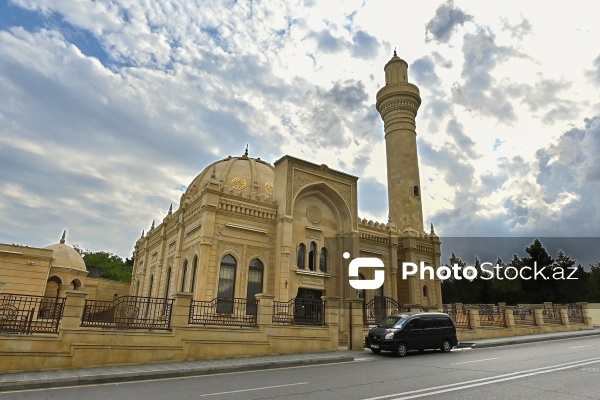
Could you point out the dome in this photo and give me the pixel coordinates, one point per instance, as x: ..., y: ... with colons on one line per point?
x: 242, y: 174
x: 66, y: 256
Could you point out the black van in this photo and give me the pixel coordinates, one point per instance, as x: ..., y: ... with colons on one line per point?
x: 401, y: 332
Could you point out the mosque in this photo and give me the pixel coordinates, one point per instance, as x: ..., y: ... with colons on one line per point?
x: 245, y: 226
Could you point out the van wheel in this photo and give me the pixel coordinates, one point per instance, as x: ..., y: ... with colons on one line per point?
x: 376, y: 351
x: 400, y: 350
x: 446, y: 346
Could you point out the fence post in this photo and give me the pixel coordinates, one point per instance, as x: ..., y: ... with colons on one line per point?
x: 180, y: 315
x: 474, y: 319
x: 538, y: 313
x: 74, y: 303
x: 264, y: 315
x: 356, y: 340
x: 509, y: 317
x: 585, y: 313
x: 564, y: 314
x: 332, y: 318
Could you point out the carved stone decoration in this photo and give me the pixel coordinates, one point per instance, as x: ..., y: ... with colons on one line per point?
x: 302, y: 178
x: 313, y: 213
x: 261, y: 252
x: 311, y: 280
x: 310, y: 234
x: 269, y: 188
x: 238, y: 183
x: 236, y: 248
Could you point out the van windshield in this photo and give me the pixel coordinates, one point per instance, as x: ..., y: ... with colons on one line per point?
x: 393, y: 322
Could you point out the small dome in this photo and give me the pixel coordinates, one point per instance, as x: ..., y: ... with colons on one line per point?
x: 242, y: 174
x: 66, y: 256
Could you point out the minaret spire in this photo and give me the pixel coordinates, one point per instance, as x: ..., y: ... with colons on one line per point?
x: 398, y: 102
x: 62, y: 239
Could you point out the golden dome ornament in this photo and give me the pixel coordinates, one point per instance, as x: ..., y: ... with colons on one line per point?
x: 238, y: 183
x: 269, y: 188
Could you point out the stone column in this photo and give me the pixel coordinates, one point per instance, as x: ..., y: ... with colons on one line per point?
x: 414, y: 308
x: 265, y: 309
x: 74, y: 303
x: 332, y: 318
x: 564, y: 315
x: 181, y: 310
x: 509, y: 317
x: 474, y: 319
x: 585, y: 313
x: 355, y: 340
x: 394, y: 276
x: 538, y: 313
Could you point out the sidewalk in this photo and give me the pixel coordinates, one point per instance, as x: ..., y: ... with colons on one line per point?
x: 482, y: 343
x: 86, y: 376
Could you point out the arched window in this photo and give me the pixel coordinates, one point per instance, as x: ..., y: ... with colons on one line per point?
x: 184, y: 276
x: 194, y: 272
x: 150, y: 286
x: 416, y: 191
x: 168, y: 283
x: 255, y: 284
x: 425, y: 291
x: 301, y: 255
x: 323, y: 260
x: 75, y: 284
x: 312, y: 257
x: 226, y: 289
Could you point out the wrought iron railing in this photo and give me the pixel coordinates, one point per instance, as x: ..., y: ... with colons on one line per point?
x: 552, y: 315
x: 523, y: 315
x: 380, y: 307
x: 30, y: 314
x: 299, y: 311
x: 491, y: 315
x: 224, y: 311
x: 128, y: 312
x: 575, y: 313
x: 460, y: 317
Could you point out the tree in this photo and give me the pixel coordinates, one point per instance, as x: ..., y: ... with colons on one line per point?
x: 539, y: 288
x: 568, y: 290
x: 593, y: 284
x: 112, y: 266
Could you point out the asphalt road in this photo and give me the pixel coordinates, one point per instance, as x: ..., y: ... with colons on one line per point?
x: 560, y: 369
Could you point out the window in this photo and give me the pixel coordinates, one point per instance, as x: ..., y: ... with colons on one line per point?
x: 194, y: 272
x: 427, y: 323
x: 323, y: 260
x: 414, y: 324
x: 167, y: 284
x: 416, y: 191
x: 255, y: 284
x: 184, y: 276
x: 301, y: 255
x: 150, y: 286
x: 425, y: 291
x: 226, y: 285
x: 312, y: 257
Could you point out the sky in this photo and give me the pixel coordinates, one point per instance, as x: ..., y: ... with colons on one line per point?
x: 109, y: 109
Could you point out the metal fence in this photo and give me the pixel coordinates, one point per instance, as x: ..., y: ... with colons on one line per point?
x: 551, y: 315
x: 30, y: 314
x: 460, y: 317
x: 299, y: 311
x: 523, y: 315
x: 128, y: 312
x: 224, y: 311
x: 575, y: 314
x: 378, y: 308
x: 491, y: 315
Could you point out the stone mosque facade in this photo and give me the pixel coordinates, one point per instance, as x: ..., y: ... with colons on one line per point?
x: 245, y: 226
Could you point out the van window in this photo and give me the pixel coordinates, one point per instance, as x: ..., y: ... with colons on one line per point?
x: 427, y: 323
x: 414, y: 324
x: 445, y: 322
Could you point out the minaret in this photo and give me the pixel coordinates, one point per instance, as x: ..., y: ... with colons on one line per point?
x: 398, y: 102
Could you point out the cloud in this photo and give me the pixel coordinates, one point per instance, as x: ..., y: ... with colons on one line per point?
x: 594, y: 74
x: 479, y: 92
x: 447, y: 19
x: 517, y: 31
x: 364, y: 45
x: 423, y: 70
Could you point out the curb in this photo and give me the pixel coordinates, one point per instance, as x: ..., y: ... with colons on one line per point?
x: 132, y: 376
x: 530, y: 340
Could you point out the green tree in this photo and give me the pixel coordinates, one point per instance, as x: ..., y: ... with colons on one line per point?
x: 538, y: 289
x: 568, y: 290
x: 593, y: 284
x: 112, y: 266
